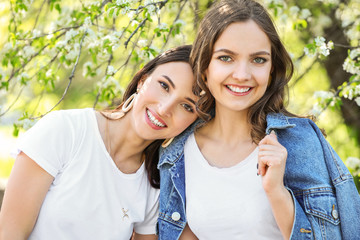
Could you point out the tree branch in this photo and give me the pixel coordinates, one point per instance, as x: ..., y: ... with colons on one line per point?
x: 70, y: 80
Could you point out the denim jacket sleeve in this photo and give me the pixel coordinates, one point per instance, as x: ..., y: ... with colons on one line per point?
x: 347, y: 196
x: 326, y: 200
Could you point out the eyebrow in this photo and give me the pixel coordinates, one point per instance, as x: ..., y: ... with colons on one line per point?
x: 169, y: 80
x: 191, y: 100
x: 233, y: 53
x: 173, y: 85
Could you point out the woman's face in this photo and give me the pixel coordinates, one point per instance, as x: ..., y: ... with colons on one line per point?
x: 165, y: 105
x: 239, y: 70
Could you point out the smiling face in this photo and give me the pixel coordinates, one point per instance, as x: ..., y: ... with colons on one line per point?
x: 165, y: 105
x: 240, y: 66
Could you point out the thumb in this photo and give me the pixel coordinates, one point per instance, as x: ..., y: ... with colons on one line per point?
x: 273, y: 134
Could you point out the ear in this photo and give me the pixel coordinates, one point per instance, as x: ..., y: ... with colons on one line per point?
x: 140, y: 84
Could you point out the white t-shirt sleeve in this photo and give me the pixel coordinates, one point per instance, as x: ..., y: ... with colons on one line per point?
x: 148, y: 226
x: 49, y: 142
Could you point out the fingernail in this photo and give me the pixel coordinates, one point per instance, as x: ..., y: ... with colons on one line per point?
x: 257, y: 166
x: 257, y: 173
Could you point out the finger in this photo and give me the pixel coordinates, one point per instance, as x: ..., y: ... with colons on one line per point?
x: 269, y: 139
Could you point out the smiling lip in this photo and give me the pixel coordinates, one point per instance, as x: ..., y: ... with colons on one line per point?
x: 154, y: 120
x: 238, y: 90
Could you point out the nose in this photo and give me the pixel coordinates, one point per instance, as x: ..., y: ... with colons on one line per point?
x: 165, y: 108
x: 242, y: 71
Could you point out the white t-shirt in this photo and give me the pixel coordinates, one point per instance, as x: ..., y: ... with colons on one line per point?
x: 226, y: 203
x: 90, y: 198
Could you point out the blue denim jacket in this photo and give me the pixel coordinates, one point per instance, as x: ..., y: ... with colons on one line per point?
x: 327, y: 204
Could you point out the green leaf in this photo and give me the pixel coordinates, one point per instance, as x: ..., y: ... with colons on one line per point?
x: 16, y: 130
x: 57, y: 7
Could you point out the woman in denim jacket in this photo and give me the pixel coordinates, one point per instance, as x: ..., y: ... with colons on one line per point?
x: 252, y: 170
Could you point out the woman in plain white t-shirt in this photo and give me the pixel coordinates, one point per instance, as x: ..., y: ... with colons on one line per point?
x: 84, y: 174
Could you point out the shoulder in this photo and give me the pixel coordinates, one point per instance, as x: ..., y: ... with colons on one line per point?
x: 176, y: 148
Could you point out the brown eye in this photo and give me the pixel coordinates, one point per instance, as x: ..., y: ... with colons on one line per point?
x: 164, y: 85
x: 187, y: 107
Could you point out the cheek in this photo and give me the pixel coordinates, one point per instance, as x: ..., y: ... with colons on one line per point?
x: 182, y: 121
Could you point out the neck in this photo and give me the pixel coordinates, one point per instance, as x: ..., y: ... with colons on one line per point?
x: 232, y: 127
x: 126, y: 144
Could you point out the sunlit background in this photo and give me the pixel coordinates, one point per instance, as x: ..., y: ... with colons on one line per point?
x: 82, y: 93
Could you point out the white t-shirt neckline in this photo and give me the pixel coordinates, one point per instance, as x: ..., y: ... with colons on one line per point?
x: 108, y: 157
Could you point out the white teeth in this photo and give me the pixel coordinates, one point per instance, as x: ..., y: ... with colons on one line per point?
x: 154, y: 120
x: 237, y: 89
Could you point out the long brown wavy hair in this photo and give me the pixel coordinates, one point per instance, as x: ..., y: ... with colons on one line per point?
x: 178, y: 54
x: 217, y: 19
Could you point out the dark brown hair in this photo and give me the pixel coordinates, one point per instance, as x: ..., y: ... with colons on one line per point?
x: 178, y: 54
x: 217, y: 19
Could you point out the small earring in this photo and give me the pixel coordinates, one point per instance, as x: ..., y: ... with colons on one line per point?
x: 202, y: 93
x: 127, y: 105
x: 167, y: 142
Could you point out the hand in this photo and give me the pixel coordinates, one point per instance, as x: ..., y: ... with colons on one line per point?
x: 272, y: 161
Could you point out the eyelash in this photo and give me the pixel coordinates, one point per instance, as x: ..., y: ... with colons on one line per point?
x: 229, y: 59
x: 263, y: 60
x: 222, y: 58
x: 164, y: 86
x: 187, y: 107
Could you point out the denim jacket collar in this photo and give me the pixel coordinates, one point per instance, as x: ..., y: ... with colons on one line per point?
x: 173, y: 152
x: 277, y: 121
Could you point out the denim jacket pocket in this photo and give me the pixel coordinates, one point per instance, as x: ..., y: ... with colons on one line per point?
x: 322, y: 210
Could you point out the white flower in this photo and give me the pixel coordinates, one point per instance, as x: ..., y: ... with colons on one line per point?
x: 27, y: 123
x: 294, y: 10
x: 316, y: 110
x: 36, y: 33
x: 355, y: 53
x: 110, y: 70
x: 350, y: 67
x: 323, y: 94
x: 179, y: 22
x: 308, y: 53
x: 142, y: 43
x: 357, y: 100
x: 73, y: 53
x: 305, y: 13
x: 162, y: 26
x: 70, y: 34
x: 28, y: 51
x: 22, y: 76
x: 353, y: 162
x: 48, y: 73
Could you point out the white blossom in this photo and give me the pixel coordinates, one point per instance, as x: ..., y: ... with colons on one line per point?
x: 21, y: 76
x: 70, y: 34
x: 110, y: 70
x: 294, y: 10
x: 355, y: 53
x: 28, y: 51
x: 162, y: 26
x: 305, y: 13
x: 353, y: 162
x: 48, y: 73
x: 142, y: 43
x: 27, y: 123
x: 36, y: 33
x: 357, y: 100
x: 323, y: 94
x: 73, y: 53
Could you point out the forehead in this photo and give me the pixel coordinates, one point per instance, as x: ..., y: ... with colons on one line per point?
x: 243, y: 36
x: 180, y: 73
